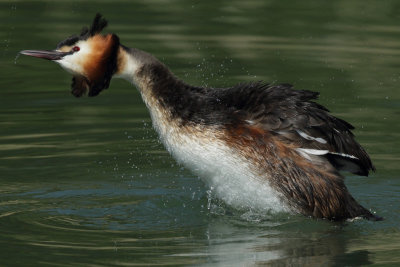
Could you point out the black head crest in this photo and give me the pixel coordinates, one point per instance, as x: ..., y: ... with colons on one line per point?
x: 99, y: 23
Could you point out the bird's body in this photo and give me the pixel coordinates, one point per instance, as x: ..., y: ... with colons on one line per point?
x: 261, y: 146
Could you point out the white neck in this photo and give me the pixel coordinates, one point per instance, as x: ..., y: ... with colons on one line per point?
x: 128, y: 66
x: 130, y: 62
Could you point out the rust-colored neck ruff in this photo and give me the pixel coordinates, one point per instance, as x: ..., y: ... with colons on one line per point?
x: 99, y: 65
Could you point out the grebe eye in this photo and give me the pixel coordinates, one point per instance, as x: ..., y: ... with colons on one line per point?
x: 76, y: 48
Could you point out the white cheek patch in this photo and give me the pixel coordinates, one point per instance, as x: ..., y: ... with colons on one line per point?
x: 69, y: 65
x: 74, y: 63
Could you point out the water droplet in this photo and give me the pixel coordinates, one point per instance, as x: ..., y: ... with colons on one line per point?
x: 16, y: 58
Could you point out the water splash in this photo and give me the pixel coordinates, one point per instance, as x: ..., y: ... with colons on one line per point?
x: 16, y: 58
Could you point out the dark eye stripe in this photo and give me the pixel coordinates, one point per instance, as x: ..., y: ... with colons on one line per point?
x: 69, y: 41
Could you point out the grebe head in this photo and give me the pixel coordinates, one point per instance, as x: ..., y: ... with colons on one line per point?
x: 91, y: 58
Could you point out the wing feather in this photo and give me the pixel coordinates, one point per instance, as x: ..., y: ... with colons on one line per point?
x: 293, y: 117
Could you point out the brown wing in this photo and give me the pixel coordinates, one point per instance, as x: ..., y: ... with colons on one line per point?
x: 294, y: 118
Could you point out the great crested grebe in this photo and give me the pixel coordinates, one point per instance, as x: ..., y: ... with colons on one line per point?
x: 257, y: 145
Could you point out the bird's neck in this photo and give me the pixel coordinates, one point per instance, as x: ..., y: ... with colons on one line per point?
x: 148, y: 74
x: 166, y: 96
x: 130, y: 62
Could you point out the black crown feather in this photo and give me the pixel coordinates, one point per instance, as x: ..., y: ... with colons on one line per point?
x: 98, y: 24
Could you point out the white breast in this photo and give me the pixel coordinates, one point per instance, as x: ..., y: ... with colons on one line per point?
x: 228, y: 174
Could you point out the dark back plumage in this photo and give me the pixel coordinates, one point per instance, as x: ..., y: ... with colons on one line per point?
x: 293, y: 117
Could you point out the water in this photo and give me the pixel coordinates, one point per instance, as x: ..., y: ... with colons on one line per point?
x: 85, y: 181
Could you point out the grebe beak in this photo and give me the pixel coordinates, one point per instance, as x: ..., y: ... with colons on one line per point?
x: 46, y: 54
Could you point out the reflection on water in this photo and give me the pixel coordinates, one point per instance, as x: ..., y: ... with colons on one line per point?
x: 217, y: 241
x: 85, y: 181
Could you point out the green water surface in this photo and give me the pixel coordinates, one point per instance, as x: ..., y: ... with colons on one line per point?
x: 85, y: 181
